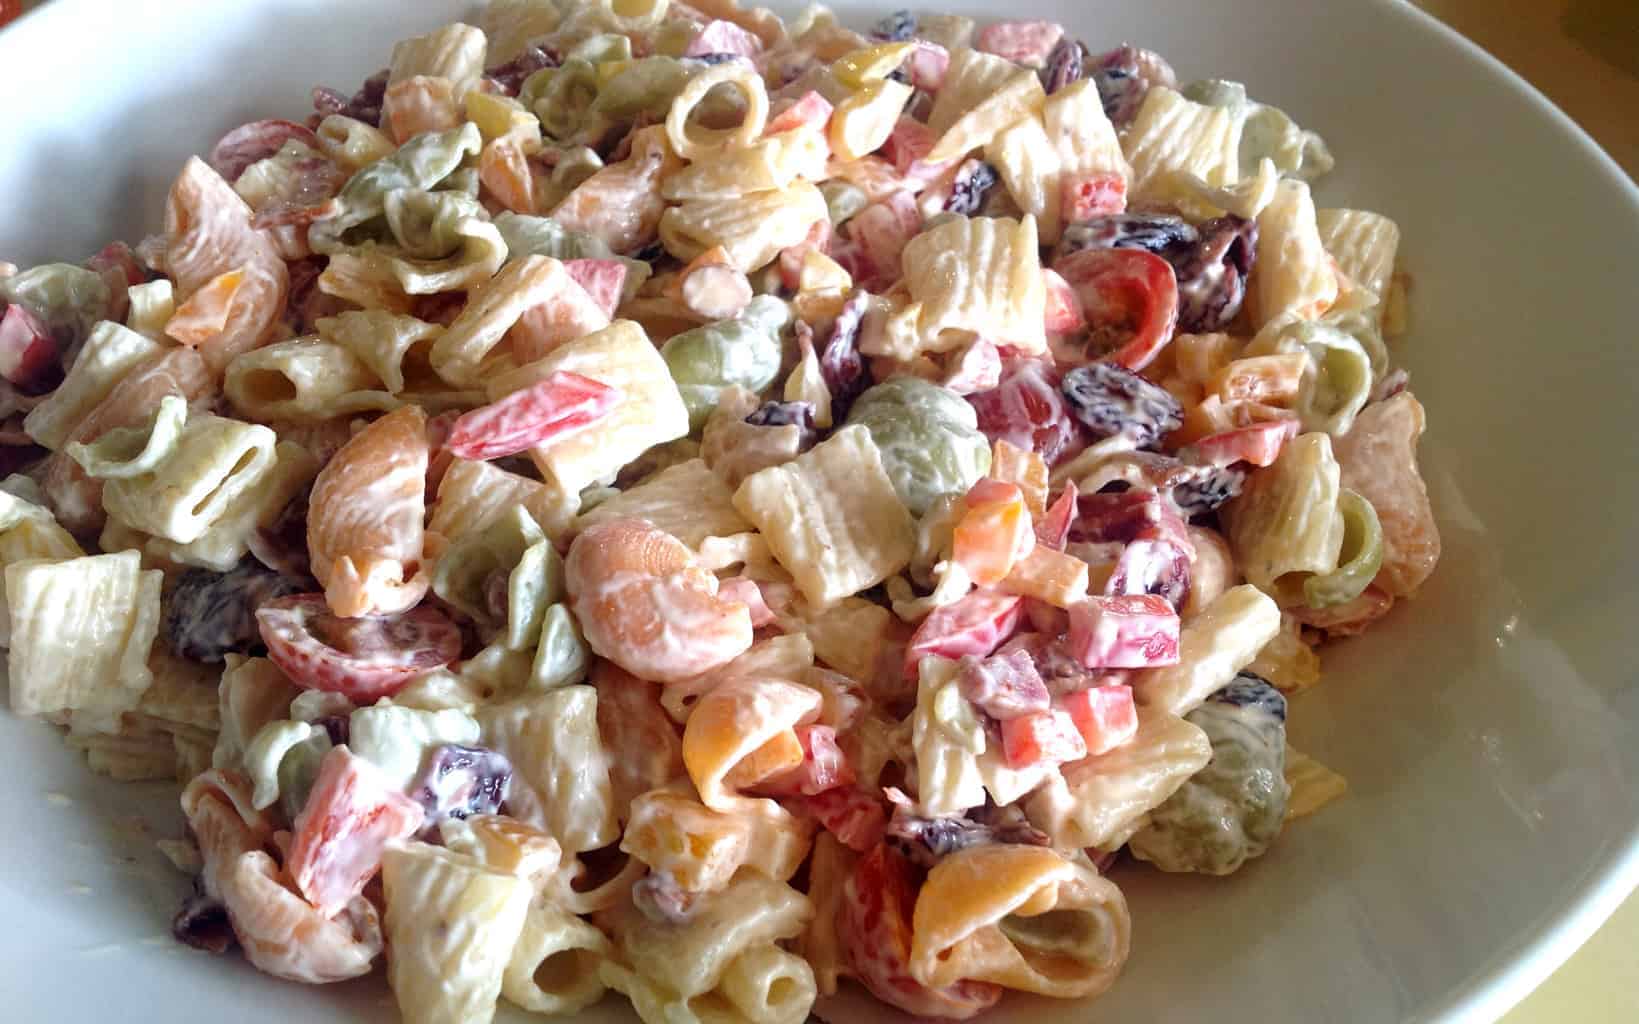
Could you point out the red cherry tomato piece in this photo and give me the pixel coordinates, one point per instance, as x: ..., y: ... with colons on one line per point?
x: 366, y: 658
x: 976, y: 624
x: 874, y: 927
x: 520, y: 421
x: 1130, y: 293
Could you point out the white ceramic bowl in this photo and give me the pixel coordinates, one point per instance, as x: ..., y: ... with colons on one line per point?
x: 1487, y: 728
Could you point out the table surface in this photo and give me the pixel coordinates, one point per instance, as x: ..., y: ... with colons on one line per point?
x: 1583, y: 55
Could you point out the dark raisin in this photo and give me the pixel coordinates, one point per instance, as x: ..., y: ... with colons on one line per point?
x: 336, y: 727
x: 1251, y: 690
x: 509, y: 77
x: 779, y: 414
x: 210, y: 615
x: 459, y: 781
x: 895, y: 28
x: 711, y: 59
x: 651, y: 253
x: 1065, y: 65
x: 282, y: 544
x: 898, y: 75
x: 924, y: 841
x: 203, y: 924
x: 1121, y: 82
x: 973, y: 181
x: 1153, y: 232
x: 841, y: 364
x: 1212, y: 274
x: 1211, y: 488
x: 1111, y: 400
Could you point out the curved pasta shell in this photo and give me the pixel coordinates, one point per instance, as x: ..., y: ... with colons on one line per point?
x: 734, y: 721
x: 364, y: 526
x: 284, y: 936
x: 1021, y: 917
x: 644, y: 603
x: 210, y: 234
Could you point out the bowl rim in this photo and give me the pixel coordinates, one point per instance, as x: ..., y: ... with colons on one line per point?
x: 1522, y: 964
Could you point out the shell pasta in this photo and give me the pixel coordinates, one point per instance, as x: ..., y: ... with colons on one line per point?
x: 644, y: 500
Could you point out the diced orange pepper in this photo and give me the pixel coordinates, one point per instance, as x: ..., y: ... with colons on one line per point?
x: 1047, y: 575
x: 1025, y: 469
x: 993, y: 533
x: 780, y: 754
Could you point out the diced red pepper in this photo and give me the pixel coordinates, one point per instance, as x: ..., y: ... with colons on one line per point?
x: 557, y: 405
x: 1022, y: 42
x: 927, y: 65
x: 601, y: 279
x: 1259, y: 444
x: 811, y: 109
x: 28, y: 352
x: 1125, y: 631
x: 351, y: 815
x: 824, y: 766
x: 976, y: 624
x: 1053, y: 530
x: 724, y: 37
x: 855, y: 817
x: 1083, y: 197
x: 1049, y: 736
x: 1106, y: 716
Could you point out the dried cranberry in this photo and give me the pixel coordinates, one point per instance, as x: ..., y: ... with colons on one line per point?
x: 1153, y: 232
x: 895, y: 28
x: 841, y: 364
x: 365, y: 105
x: 1112, y: 400
x: 509, y: 77
x: 973, y: 181
x: 1212, y: 274
x: 1066, y: 65
x: 460, y: 781
x: 210, y: 615
x: 1027, y: 410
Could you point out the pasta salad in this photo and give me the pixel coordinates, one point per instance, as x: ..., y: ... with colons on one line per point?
x: 647, y: 497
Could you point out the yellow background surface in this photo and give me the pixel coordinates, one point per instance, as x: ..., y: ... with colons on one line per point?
x: 1584, y: 55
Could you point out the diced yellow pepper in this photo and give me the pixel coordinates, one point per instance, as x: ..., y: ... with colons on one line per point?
x: 871, y: 64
